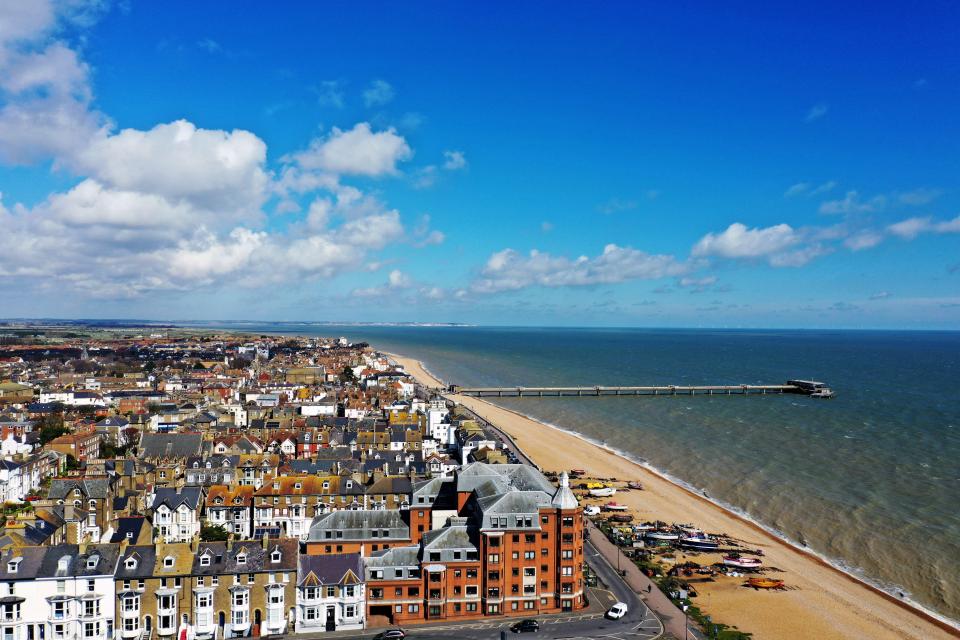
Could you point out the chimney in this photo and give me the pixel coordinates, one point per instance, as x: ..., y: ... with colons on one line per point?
x: 265, y: 540
x: 230, y: 542
x: 124, y: 543
x: 83, y: 545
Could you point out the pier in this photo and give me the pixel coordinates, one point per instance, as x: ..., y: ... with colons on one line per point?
x: 794, y: 386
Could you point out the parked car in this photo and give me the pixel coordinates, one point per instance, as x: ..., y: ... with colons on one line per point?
x: 525, y: 626
x: 391, y: 634
x: 591, y: 510
x: 617, y: 611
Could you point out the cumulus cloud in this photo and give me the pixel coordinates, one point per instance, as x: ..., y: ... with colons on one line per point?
x: 379, y: 93
x: 912, y: 227
x: 509, y: 270
x: 454, y: 160
x: 330, y: 94
x: 851, y: 203
x: 737, y: 241
x: 44, y: 86
x: 357, y: 151
x: 865, y: 239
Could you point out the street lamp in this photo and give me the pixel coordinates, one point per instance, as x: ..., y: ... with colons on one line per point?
x: 685, y: 625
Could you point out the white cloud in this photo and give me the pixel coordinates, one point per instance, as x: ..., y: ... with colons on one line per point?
x: 808, y: 189
x: 212, y: 169
x: 737, y: 241
x: 357, y: 151
x: 911, y: 227
x: 852, y: 203
x: 454, y: 160
x: 380, y: 92
x: 865, y: 239
x: 330, y: 94
x: 508, y: 270
x: 423, y: 236
x: 816, y: 112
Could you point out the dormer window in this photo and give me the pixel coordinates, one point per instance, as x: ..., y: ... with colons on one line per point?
x: 63, y: 564
x: 241, y: 558
x: 298, y: 486
x: 168, y: 561
x: 130, y: 563
x: 237, y: 500
x: 204, y: 560
x: 76, y: 492
x: 276, y: 486
x: 275, y: 556
x: 92, y: 562
x: 14, y: 565
x: 218, y: 500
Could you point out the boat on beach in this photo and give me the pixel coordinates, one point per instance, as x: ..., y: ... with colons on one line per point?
x: 765, y: 583
x: 663, y: 535
x: 622, y: 517
x: 699, y: 541
x: 615, y: 506
x: 605, y: 492
x: 742, y: 562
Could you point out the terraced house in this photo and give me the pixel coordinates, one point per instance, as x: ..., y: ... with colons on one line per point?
x: 58, y: 593
x: 245, y: 588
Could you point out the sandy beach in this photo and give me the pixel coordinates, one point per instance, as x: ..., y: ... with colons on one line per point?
x: 820, y: 602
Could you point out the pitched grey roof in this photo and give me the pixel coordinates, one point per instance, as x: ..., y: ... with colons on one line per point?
x: 359, y: 525
x: 31, y: 559
x: 170, y: 445
x: 96, y: 488
x: 173, y: 498
x: 145, y: 557
x: 330, y: 569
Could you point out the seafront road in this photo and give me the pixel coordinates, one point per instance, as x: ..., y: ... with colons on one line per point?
x: 600, y: 551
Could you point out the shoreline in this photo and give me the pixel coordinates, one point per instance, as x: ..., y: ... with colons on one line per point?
x: 868, y: 617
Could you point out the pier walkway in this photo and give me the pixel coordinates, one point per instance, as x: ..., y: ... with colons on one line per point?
x: 664, y: 390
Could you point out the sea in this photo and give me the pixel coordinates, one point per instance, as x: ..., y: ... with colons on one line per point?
x: 868, y: 480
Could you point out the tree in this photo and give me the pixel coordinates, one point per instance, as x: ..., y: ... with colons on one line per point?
x: 72, y: 463
x: 51, y: 427
x: 347, y: 375
x: 213, y: 533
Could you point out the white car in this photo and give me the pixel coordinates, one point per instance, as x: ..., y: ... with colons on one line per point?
x: 591, y: 511
x: 617, y: 611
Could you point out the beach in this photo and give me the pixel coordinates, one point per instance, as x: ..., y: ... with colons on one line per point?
x: 820, y: 601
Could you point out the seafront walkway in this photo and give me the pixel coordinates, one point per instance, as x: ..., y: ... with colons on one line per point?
x: 675, y: 623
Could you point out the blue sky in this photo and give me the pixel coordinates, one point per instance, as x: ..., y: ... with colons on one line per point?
x: 538, y: 163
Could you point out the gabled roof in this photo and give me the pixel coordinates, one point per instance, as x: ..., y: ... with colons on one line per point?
x: 173, y: 498
x: 346, y: 568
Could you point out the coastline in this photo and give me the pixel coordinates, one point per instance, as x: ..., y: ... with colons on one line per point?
x: 825, y: 602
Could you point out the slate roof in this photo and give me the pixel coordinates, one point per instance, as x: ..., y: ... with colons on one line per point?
x: 29, y: 566
x: 128, y: 528
x: 145, y: 556
x: 257, y: 559
x: 359, y: 525
x: 96, y: 488
x: 65, y: 560
x: 170, y: 445
x: 173, y: 498
x: 329, y: 569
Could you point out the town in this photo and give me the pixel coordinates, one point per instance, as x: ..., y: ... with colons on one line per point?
x: 210, y: 486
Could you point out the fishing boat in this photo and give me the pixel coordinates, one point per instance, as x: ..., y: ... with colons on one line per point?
x: 664, y: 535
x: 765, y: 583
x: 622, y: 517
x: 634, y: 485
x: 699, y: 541
x: 605, y: 492
x: 741, y: 562
x: 643, y: 528
x: 614, y: 506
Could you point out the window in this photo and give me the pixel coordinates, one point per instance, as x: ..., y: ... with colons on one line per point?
x: 131, y: 624
x: 130, y: 563
x: 529, y: 555
x: 310, y: 593
x: 349, y: 611
x: 214, y: 580
x: 276, y: 596
x: 413, y: 608
x: 204, y: 600
x: 168, y: 561
x: 349, y: 590
x: 59, y: 610
x: 567, y: 554
x: 91, y: 629
x: 241, y: 558
x: 471, y: 573
x: 529, y: 572
x: 471, y: 606
x: 493, y: 558
x: 275, y: 556
x: 240, y: 598
x: 331, y: 591
x: 91, y: 608
x: 566, y: 571
x: 471, y: 590
x: 310, y: 613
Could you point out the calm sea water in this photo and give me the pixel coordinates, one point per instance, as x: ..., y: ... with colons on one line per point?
x: 869, y: 479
